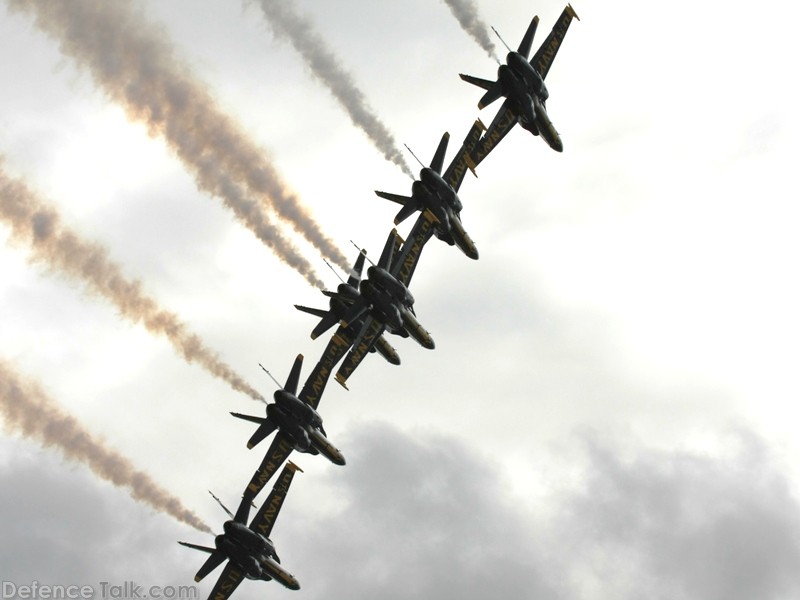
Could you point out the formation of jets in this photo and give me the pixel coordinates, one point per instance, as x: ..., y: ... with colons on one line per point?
x: 366, y: 308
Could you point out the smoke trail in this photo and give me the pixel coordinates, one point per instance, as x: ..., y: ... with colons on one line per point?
x: 323, y: 64
x: 39, y: 226
x: 26, y: 408
x: 466, y: 13
x: 136, y: 66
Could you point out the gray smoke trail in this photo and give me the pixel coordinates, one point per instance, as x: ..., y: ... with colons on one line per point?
x: 299, y: 31
x: 27, y: 409
x: 136, y: 66
x: 466, y: 13
x: 39, y: 226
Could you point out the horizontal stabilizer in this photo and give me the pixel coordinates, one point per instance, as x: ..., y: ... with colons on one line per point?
x: 328, y: 320
x: 212, y: 562
x: 200, y: 548
x: 490, y: 96
x: 267, y: 427
x: 394, y: 197
x: 258, y: 420
x: 317, y: 312
x: 481, y: 83
x: 405, y: 212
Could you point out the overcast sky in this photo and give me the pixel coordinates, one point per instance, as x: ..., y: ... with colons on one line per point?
x: 611, y: 407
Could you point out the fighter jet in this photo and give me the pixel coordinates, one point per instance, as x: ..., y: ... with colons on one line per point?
x: 385, y: 298
x: 522, y: 84
x: 299, y: 428
x: 249, y: 551
x: 340, y: 301
x: 434, y: 192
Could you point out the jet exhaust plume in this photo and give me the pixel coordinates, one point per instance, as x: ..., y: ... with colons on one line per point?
x: 466, y: 13
x: 287, y: 23
x: 26, y: 408
x: 39, y: 227
x: 136, y: 66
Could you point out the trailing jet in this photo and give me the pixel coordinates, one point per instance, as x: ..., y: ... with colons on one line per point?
x: 299, y: 428
x: 435, y: 192
x: 247, y: 548
x: 340, y: 301
x: 522, y: 84
x: 385, y: 298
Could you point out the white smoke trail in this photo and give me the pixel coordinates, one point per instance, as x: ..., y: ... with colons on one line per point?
x: 26, y: 408
x: 286, y: 22
x: 39, y: 227
x: 133, y: 62
x: 466, y: 13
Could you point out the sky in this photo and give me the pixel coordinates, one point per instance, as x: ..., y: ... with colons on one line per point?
x: 611, y: 407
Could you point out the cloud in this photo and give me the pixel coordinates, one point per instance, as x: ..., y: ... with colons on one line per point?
x: 423, y: 514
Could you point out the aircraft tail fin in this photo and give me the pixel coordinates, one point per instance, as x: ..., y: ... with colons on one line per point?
x: 527, y: 39
x: 358, y: 267
x: 294, y: 376
x: 438, y: 158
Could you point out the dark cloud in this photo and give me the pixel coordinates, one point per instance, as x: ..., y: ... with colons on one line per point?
x: 425, y: 515
x: 61, y: 526
x: 684, y: 525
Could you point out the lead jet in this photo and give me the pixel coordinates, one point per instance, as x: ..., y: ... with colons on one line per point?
x: 247, y: 548
x: 385, y: 297
x: 439, y: 193
x: 299, y: 428
x: 521, y: 82
x: 340, y: 301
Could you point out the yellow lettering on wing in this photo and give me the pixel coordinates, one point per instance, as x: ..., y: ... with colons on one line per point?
x: 269, y: 465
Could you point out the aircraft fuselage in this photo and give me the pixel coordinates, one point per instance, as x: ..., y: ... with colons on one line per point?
x: 526, y: 90
x: 379, y: 278
x: 303, y: 425
x: 254, y: 554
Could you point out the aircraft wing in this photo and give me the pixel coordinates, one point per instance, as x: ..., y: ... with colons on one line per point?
x: 455, y: 172
x: 369, y: 334
x: 503, y: 122
x: 265, y: 518
x: 228, y: 581
x: 279, y: 450
x: 411, y: 250
x: 338, y: 345
x: 546, y: 53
